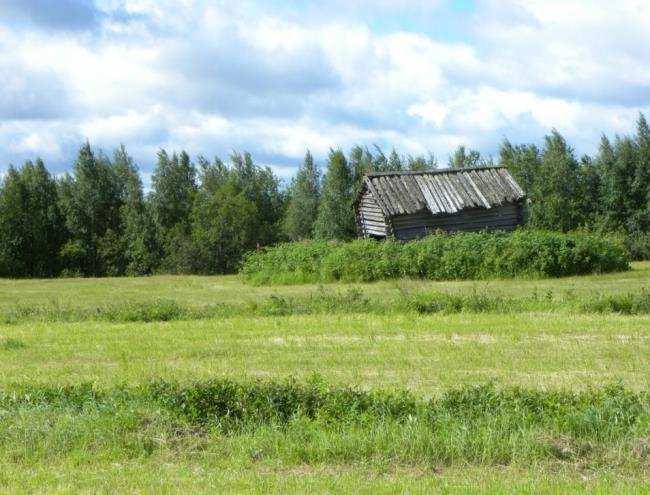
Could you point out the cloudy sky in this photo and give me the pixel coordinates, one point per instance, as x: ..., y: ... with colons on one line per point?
x: 277, y: 77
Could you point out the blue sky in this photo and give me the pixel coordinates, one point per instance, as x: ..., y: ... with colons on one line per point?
x: 276, y: 78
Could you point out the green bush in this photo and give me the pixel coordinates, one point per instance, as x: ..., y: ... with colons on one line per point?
x: 638, y: 246
x: 524, y: 253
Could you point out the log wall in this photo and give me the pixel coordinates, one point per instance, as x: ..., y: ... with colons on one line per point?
x: 371, y: 221
x: 505, y: 217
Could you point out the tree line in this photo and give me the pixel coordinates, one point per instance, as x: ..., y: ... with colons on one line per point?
x: 201, y: 216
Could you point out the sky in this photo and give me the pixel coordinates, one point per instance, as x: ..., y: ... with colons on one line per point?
x: 276, y: 78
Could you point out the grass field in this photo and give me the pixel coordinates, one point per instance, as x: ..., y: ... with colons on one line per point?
x: 201, y: 290
x: 137, y: 446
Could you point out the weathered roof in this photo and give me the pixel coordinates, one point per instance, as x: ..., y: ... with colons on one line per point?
x: 443, y: 191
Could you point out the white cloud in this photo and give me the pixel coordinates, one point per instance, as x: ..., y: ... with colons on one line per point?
x: 211, y: 78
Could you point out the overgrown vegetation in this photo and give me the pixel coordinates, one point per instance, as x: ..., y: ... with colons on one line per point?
x: 311, y: 422
x: 438, y: 257
x: 203, y: 216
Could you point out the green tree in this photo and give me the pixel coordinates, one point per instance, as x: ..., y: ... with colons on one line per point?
x: 45, y: 233
x: 12, y: 225
x: 422, y: 163
x: 137, y: 233
x: 556, y: 201
x: 363, y: 162
x: 225, y: 226
x: 395, y: 162
x: 379, y: 161
x: 211, y: 174
x: 619, y: 167
x: 304, y: 195
x: 524, y: 163
x: 174, y: 188
x: 589, y: 192
x: 640, y: 187
x: 467, y: 158
x: 90, y: 202
x: 31, y: 226
x: 262, y: 188
x: 335, y: 218
x: 172, y: 201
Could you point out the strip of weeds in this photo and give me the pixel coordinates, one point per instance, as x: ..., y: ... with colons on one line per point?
x: 348, y: 301
x: 314, y: 422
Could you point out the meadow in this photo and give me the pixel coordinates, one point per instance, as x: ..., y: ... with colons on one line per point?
x: 188, y: 383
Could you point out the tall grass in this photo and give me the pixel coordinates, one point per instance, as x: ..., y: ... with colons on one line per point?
x: 524, y: 253
x: 317, y: 422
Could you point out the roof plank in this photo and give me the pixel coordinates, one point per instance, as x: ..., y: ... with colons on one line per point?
x: 443, y: 191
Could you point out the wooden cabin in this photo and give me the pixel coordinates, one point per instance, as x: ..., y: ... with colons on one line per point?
x: 409, y: 205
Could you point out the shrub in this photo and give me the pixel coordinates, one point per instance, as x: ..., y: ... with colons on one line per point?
x: 294, y: 262
x: 638, y: 246
x: 523, y: 253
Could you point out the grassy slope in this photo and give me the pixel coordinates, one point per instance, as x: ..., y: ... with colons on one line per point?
x: 425, y: 354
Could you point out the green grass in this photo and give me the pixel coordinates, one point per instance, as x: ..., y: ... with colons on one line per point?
x: 424, y: 353
x: 289, y: 426
x: 204, y: 473
x: 311, y: 422
x: 554, y: 344
x: 325, y: 302
x: 203, y: 290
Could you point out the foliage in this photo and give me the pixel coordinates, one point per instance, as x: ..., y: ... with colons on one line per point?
x: 608, y: 193
x: 90, y: 201
x: 225, y: 226
x: 335, y: 218
x: 304, y: 195
x: 236, y: 209
x: 31, y: 223
x: 172, y: 199
x: 439, y: 257
x: 260, y: 186
x: 638, y: 245
x: 464, y: 158
x: 631, y: 303
x: 137, y: 244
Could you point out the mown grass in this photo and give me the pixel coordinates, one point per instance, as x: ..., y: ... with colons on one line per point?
x: 425, y: 353
x: 208, y: 472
